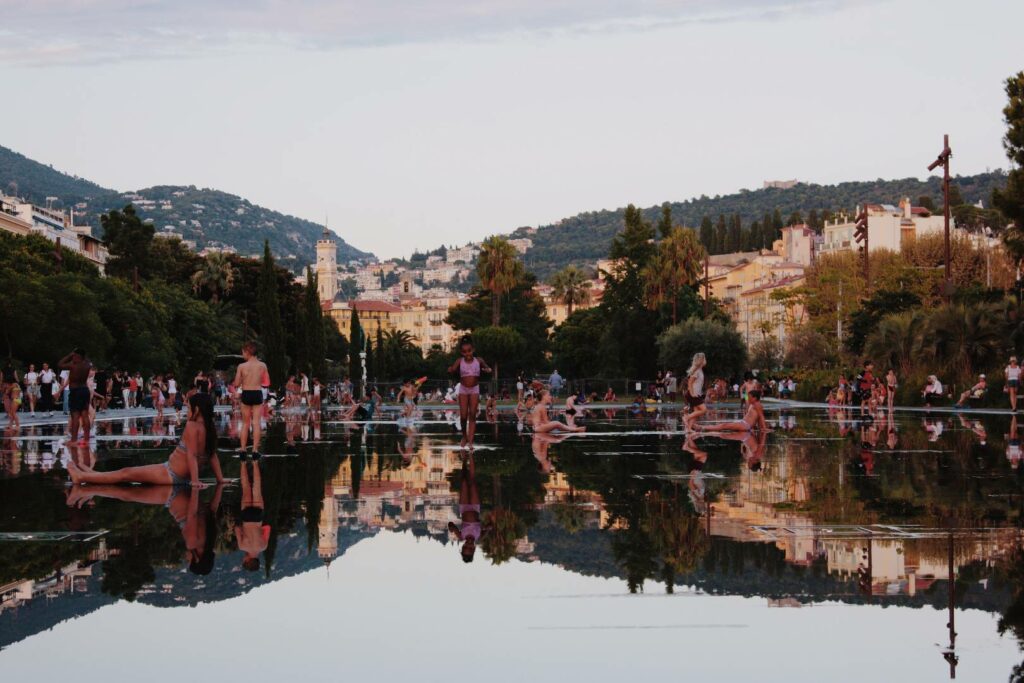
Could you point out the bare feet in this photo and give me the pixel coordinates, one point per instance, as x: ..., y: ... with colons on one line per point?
x: 75, y: 472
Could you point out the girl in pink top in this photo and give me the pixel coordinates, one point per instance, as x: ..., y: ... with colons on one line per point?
x: 469, y: 369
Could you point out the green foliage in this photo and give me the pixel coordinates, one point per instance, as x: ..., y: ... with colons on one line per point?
x: 808, y: 348
x: 499, y: 345
x: 128, y: 239
x: 574, y: 343
x: 357, y: 342
x: 628, y: 340
x: 522, y: 310
x: 721, y: 343
x: 766, y: 353
x: 880, y: 304
x: 498, y: 268
x: 1009, y: 200
x: 271, y: 330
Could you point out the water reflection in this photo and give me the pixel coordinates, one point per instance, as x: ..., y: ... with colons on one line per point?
x: 833, y: 505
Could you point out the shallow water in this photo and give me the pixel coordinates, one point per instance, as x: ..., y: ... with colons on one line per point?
x: 821, y: 552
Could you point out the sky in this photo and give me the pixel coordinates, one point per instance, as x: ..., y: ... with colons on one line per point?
x: 409, y: 124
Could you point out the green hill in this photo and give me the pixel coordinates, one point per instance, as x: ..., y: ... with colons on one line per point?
x: 205, y: 216
x: 585, y: 238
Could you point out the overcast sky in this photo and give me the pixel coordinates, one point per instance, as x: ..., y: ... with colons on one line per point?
x: 413, y: 123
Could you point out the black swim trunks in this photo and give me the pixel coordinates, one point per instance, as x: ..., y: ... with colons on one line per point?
x: 694, y: 401
x: 252, y: 397
x: 78, y: 399
x: 252, y: 514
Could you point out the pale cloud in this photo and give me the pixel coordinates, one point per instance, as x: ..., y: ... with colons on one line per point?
x: 41, y: 32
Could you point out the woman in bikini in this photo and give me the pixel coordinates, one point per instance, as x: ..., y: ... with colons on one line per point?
x: 182, y: 467
x: 468, y: 390
x: 542, y: 424
x: 695, y: 390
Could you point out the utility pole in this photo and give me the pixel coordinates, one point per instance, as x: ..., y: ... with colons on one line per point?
x: 943, y: 161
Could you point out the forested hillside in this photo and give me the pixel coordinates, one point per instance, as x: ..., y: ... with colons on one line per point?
x: 584, y: 238
x: 205, y: 216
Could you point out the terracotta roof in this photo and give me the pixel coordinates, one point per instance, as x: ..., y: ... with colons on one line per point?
x: 372, y: 305
x: 772, y: 285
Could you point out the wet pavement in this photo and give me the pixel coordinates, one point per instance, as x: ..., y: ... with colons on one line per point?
x: 821, y: 551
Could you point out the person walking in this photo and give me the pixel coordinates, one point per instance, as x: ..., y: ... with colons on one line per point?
x: 890, y: 388
x: 555, y: 382
x: 32, y: 391
x: 46, y: 379
x: 469, y: 368
x: 695, y: 390
x: 1013, y: 381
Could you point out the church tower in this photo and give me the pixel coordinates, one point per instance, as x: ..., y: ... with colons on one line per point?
x: 327, y: 266
x: 327, y: 547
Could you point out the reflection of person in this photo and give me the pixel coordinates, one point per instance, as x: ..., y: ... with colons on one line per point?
x: 471, y: 530
x: 251, y: 534
x: 696, y: 485
x: 1013, y: 444
x: 540, y: 444
x: 198, y: 523
x: 182, y: 467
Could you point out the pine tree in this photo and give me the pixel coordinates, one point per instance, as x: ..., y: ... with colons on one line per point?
x: 271, y: 329
x: 665, y: 222
x: 1010, y: 200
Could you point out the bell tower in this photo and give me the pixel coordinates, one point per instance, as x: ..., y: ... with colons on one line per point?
x: 327, y: 266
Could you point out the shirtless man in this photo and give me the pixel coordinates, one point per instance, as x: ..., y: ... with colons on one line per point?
x: 752, y: 420
x: 79, y: 394
x: 249, y: 379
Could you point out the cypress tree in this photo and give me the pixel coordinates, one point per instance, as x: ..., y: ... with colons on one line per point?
x: 380, y: 370
x: 271, y: 329
x: 371, y: 364
x: 721, y: 236
x: 736, y: 233
x: 355, y: 345
x: 665, y: 222
x: 707, y: 233
x: 316, y: 344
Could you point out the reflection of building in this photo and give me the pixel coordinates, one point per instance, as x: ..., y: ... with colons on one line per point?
x: 71, y: 578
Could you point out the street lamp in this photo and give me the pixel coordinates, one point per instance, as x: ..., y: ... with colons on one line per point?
x: 943, y: 160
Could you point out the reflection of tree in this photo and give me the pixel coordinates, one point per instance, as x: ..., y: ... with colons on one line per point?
x: 569, y: 515
x: 506, y: 528
x: 678, y: 536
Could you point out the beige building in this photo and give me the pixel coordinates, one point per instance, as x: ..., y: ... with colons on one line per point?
x: 888, y: 227
x: 422, y: 318
x: 22, y: 218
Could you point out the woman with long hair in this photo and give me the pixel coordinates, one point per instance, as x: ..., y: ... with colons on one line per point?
x: 695, y: 390
x: 199, y: 440
x: 469, y: 368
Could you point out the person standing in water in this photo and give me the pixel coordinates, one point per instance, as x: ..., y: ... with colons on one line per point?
x: 695, y: 390
x: 249, y: 380
x: 469, y: 368
x: 79, y: 394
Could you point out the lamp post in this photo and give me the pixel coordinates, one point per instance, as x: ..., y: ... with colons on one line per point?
x: 943, y: 161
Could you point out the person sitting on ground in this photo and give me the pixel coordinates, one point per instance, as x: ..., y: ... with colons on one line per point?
x: 541, y: 423
x: 932, y: 391
x: 752, y: 420
x: 182, y: 467
x: 609, y: 396
x: 976, y: 391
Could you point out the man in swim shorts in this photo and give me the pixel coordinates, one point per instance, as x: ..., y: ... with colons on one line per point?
x: 79, y: 394
x: 249, y: 380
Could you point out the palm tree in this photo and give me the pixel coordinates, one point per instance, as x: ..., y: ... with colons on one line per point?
x: 896, y: 342
x: 676, y: 264
x: 572, y: 287
x: 499, y: 269
x: 966, y: 338
x: 215, y: 274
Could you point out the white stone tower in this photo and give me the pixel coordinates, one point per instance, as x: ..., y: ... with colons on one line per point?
x: 327, y: 266
x: 327, y: 547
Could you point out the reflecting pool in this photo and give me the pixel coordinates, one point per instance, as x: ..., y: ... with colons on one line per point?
x: 823, y: 551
